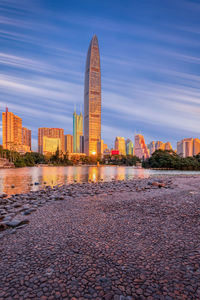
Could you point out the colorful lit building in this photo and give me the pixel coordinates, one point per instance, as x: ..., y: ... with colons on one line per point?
x: 26, y: 137
x: 188, y: 147
x: 12, y: 131
x: 168, y: 146
x: 151, y: 147
x: 196, y: 146
x: 51, y: 145
x: 68, y: 143
x: 100, y: 148
x: 160, y: 145
x: 129, y: 147
x: 54, y: 134
x: 92, y: 99
x: 120, y: 145
x: 105, y: 146
x: 141, y: 149
x: 77, y: 131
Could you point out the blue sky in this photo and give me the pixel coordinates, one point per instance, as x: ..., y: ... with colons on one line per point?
x: 150, y: 64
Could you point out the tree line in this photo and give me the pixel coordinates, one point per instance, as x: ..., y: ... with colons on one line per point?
x: 160, y: 159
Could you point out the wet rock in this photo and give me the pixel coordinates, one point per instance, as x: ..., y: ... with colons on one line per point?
x: 158, y: 184
x: 3, y: 196
x: 17, y: 222
x: 28, y: 211
x: 3, y: 226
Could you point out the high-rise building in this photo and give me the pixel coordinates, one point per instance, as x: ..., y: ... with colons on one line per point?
x: 160, y: 145
x: 141, y: 149
x: 82, y: 144
x: 26, y: 137
x: 120, y: 145
x: 100, y: 147
x: 185, y: 147
x: 92, y: 99
x: 105, y: 146
x: 77, y: 131
x: 68, y: 143
x: 188, y: 147
x: 196, y: 146
x: 129, y: 147
x: 151, y: 147
x: 168, y: 146
x: 12, y: 131
x: 51, y: 145
x: 54, y: 133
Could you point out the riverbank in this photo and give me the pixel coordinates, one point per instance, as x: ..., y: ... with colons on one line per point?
x: 136, y: 239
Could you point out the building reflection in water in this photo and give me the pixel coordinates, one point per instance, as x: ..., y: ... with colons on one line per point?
x: 26, y: 179
x: 14, y: 182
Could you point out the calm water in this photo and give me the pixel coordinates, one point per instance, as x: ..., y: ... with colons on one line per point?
x: 24, y: 179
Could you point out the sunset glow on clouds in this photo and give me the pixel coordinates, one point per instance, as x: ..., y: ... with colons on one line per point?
x: 150, y: 65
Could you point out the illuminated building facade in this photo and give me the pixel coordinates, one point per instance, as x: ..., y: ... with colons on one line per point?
x: 160, y: 145
x: 196, y: 146
x: 141, y: 149
x: 120, y: 145
x: 151, y: 147
x: 129, y: 147
x: 26, y: 137
x: 92, y: 99
x: 168, y: 146
x: 55, y: 133
x: 51, y: 145
x: 188, y: 147
x: 105, y: 146
x: 12, y: 131
x: 77, y: 131
x: 100, y: 147
x: 68, y: 143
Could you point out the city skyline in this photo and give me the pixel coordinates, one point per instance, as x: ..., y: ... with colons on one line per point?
x: 150, y: 66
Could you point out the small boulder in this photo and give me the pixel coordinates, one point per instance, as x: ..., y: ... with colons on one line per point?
x: 3, y: 226
x: 17, y: 222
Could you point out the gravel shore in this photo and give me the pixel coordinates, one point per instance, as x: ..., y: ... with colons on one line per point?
x: 123, y: 240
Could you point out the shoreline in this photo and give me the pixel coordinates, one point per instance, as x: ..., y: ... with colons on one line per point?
x: 136, y: 239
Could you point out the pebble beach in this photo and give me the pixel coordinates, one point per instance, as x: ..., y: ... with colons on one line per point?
x: 121, y: 240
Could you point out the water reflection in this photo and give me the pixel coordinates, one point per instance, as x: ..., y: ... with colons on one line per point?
x: 13, y: 181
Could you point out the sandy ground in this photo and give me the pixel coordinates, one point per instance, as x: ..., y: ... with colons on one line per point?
x: 129, y: 240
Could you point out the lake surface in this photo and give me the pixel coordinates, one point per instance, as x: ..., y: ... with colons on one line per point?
x: 14, y: 181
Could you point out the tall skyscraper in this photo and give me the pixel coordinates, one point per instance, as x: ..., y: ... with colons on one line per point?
x: 68, y: 143
x: 53, y: 134
x: 129, y: 147
x: 120, y: 145
x: 141, y: 149
x: 26, y: 137
x: 92, y: 99
x: 77, y: 131
x: 12, y: 131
